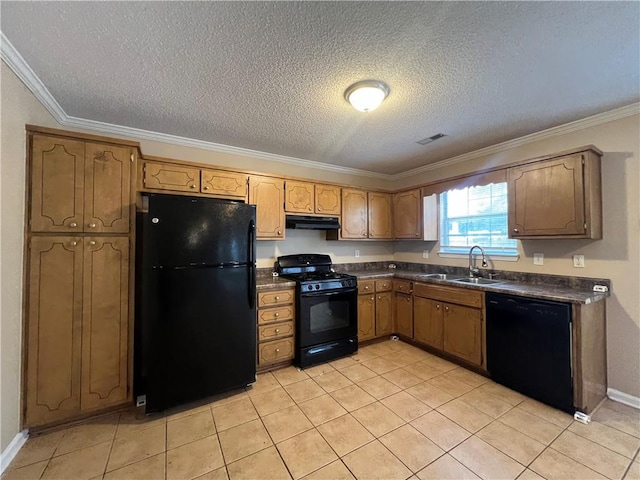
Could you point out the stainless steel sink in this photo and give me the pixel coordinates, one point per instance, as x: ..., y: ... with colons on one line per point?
x: 441, y: 276
x: 477, y: 281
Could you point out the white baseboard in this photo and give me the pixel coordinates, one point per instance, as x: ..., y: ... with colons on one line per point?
x: 622, y: 397
x: 9, y: 453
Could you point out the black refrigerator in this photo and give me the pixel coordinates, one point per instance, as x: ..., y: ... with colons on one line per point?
x: 195, y: 313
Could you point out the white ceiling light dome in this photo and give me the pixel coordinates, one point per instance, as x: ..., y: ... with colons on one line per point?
x: 367, y: 95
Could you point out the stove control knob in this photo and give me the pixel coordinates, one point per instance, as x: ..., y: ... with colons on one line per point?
x: 317, y: 287
x: 310, y: 287
x: 344, y: 283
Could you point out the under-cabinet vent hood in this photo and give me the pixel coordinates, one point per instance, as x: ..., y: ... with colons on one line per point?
x: 312, y: 223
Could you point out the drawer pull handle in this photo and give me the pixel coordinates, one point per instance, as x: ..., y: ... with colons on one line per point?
x: 366, y: 287
x: 277, y: 350
x: 276, y: 314
x: 277, y: 330
x: 277, y: 298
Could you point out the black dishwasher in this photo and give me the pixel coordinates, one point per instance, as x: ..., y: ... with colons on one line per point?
x: 529, y: 347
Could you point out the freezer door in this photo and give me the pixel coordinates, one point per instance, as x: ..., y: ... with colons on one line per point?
x: 181, y: 231
x: 201, y: 334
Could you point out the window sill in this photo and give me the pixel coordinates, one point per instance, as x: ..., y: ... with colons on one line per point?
x: 491, y: 256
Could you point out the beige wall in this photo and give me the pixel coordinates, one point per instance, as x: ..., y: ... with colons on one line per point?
x: 616, y: 256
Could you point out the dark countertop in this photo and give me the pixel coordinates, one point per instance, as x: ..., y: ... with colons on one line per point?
x: 545, y: 292
x: 266, y: 283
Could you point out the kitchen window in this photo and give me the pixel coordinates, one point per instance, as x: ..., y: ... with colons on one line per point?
x: 476, y: 215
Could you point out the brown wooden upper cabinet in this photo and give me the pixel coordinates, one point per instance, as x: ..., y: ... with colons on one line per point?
x: 557, y: 198
x: 80, y: 186
x: 366, y: 215
x: 407, y: 214
x: 224, y: 184
x: 78, y: 327
x: 309, y: 198
x: 267, y: 194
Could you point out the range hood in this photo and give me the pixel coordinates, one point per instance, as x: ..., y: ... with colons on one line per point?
x: 312, y: 223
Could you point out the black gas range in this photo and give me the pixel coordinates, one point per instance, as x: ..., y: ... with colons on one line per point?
x: 326, y: 308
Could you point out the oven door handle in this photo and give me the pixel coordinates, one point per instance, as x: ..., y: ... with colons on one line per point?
x: 329, y: 294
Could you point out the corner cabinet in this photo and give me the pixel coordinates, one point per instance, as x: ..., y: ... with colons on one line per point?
x: 78, y: 290
x: 267, y: 194
x: 559, y: 197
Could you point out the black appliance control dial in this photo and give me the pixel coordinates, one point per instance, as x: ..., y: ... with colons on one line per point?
x: 310, y: 287
x: 317, y: 287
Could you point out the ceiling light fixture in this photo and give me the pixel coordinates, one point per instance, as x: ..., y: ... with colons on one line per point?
x: 366, y: 95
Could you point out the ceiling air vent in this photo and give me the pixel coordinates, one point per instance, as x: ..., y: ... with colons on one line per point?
x: 433, y: 138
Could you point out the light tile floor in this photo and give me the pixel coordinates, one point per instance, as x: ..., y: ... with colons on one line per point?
x: 391, y: 411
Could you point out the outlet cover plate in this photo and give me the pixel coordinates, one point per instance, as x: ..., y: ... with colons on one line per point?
x: 578, y: 261
x: 538, y: 259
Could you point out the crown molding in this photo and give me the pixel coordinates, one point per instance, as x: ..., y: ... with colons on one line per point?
x: 19, y: 66
x: 24, y: 72
x: 594, y: 120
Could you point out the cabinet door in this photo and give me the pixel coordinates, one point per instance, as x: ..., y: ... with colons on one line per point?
x: 161, y: 176
x: 407, y: 218
x: 463, y: 332
x: 354, y: 213
x: 299, y: 197
x: 384, y: 314
x: 54, y: 329
x: 107, y: 188
x: 328, y: 200
x: 57, y: 174
x: 223, y: 184
x: 366, y: 317
x: 547, y: 198
x: 427, y: 321
x: 380, y: 224
x: 404, y: 314
x: 105, y: 322
x: 267, y: 194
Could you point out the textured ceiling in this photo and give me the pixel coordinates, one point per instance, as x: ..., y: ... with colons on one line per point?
x: 270, y: 76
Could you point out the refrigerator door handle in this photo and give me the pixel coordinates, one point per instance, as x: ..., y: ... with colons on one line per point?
x: 252, y: 264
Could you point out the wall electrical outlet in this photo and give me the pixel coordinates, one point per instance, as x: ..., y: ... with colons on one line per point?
x: 538, y: 258
x: 357, y: 253
x: 425, y: 254
x: 578, y: 261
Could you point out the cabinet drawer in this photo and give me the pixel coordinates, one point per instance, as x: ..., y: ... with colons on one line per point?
x: 277, y: 330
x: 278, y: 314
x: 403, y: 286
x: 171, y: 177
x: 366, y: 286
x: 224, y: 184
x: 461, y: 296
x: 276, y: 351
x: 383, y: 285
x: 275, y: 297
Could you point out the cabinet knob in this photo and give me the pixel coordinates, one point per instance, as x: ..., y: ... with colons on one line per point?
x: 319, y: 209
x: 277, y: 298
x: 277, y: 350
x: 417, y: 234
x: 366, y: 287
x: 408, y: 299
x: 192, y: 186
x: 279, y: 232
x: 205, y: 188
x: 310, y: 209
x: 437, y: 307
x: 516, y: 230
x: 92, y: 225
x: 379, y: 298
x: 446, y: 309
x: 92, y: 242
x: 372, y: 299
x: 74, y: 243
x: 277, y: 330
x: 73, y: 225
x: 364, y: 235
x: 276, y: 314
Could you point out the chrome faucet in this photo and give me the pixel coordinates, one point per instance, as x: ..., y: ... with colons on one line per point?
x: 475, y: 271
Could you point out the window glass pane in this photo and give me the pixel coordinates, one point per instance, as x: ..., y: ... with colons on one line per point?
x: 475, y: 216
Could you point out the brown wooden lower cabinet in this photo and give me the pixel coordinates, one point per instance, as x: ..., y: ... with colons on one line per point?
x: 77, y: 327
x: 428, y: 322
x: 276, y: 313
x: 366, y: 317
x: 404, y: 314
x: 463, y: 332
x: 384, y: 314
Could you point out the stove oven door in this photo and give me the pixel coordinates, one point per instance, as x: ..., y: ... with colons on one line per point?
x: 327, y: 316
